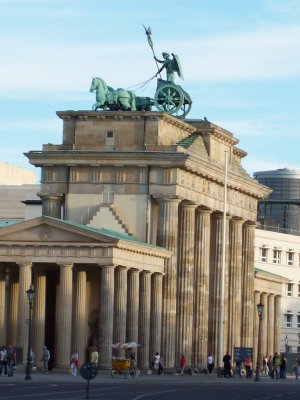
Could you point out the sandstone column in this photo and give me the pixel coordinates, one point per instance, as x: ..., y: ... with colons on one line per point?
x: 51, y: 204
x: 64, y: 315
x: 133, y: 300
x: 201, y: 285
x: 185, y: 281
x: 25, y: 277
x: 13, y: 307
x: 215, y: 285
x: 2, y: 305
x: 234, y: 286
x: 264, y: 324
x: 277, y: 310
x: 106, y: 319
x: 156, y: 313
x: 144, y: 319
x: 270, y: 313
x: 79, y: 315
x: 167, y: 236
x: 120, y: 304
x: 39, y: 314
x: 248, y: 284
x: 255, y: 326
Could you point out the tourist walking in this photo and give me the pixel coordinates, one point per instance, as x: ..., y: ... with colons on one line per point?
x: 45, y: 358
x: 282, y: 366
x: 270, y: 365
x: 248, y: 366
x: 210, y: 363
x: 3, y: 360
x: 161, y: 366
x: 265, y: 370
x: 297, y: 367
x: 156, y: 362
x: 95, y: 356
x: 227, y: 365
x: 74, y: 362
x: 276, y: 366
x: 11, y: 359
x: 182, y: 364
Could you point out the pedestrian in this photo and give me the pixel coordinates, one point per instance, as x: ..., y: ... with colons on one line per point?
x: 3, y: 360
x: 297, y: 367
x: 276, y: 365
x: 282, y: 366
x: 161, y: 366
x: 270, y: 365
x: 11, y: 359
x: 45, y: 358
x: 227, y: 365
x: 210, y: 363
x: 182, y: 364
x: 95, y: 356
x: 265, y: 370
x: 248, y: 366
x: 74, y: 362
x: 156, y: 362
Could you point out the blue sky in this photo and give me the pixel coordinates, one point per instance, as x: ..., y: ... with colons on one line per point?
x: 241, y: 62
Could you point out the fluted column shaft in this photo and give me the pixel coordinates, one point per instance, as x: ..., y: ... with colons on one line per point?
x: 215, y: 285
x: 106, y: 320
x: 270, y: 313
x: 167, y: 236
x: 39, y: 314
x: 79, y: 315
x: 13, y: 307
x: 120, y: 307
x: 185, y: 281
x: 248, y: 285
x: 132, y: 306
x: 25, y: 277
x: 235, y: 283
x: 201, y: 285
x: 277, y: 311
x: 156, y: 314
x: 2, y: 305
x: 64, y: 315
x: 264, y: 324
x: 255, y: 325
x: 144, y: 319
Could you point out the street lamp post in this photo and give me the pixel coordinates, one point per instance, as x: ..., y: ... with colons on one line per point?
x: 260, y: 310
x: 30, y: 296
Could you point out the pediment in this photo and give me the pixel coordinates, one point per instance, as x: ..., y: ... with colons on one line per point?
x: 51, y: 230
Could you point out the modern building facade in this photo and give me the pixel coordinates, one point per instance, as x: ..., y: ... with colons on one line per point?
x: 281, y: 211
x: 158, y: 184
x: 13, y: 175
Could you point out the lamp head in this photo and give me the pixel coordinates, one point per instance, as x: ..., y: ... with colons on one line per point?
x: 260, y: 309
x: 30, y: 294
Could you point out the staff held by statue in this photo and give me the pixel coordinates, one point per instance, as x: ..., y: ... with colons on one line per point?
x: 149, y: 33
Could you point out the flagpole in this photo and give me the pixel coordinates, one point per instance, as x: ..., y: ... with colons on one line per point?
x: 222, y: 277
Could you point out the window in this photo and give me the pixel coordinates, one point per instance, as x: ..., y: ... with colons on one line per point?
x: 289, y: 289
x: 110, y: 139
x: 288, y: 319
x: 263, y: 254
x: 298, y: 320
x: 276, y: 256
x: 298, y: 349
x: 299, y: 260
x: 298, y: 290
x: 290, y: 258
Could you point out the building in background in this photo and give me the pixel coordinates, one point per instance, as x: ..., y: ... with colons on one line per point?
x: 281, y: 211
x: 13, y: 175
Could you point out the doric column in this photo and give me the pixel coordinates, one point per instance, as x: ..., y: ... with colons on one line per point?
x: 277, y: 311
x: 235, y: 282
x: 25, y: 277
x: 2, y: 305
x: 133, y: 300
x: 120, y: 307
x: 264, y: 324
x: 144, y: 319
x: 201, y: 285
x: 106, y: 320
x: 255, y: 325
x: 167, y: 237
x: 156, y: 313
x: 39, y: 313
x: 248, y: 285
x: 270, y: 313
x: 64, y: 315
x: 79, y: 329
x: 13, y: 307
x: 185, y: 281
x: 51, y: 204
x: 215, y: 285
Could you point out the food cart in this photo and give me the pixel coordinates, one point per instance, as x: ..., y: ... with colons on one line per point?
x: 122, y: 365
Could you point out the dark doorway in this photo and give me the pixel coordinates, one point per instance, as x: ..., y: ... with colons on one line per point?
x: 51, y: 285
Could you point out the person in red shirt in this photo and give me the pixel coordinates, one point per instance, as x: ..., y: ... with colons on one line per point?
x: 182, y: 364
x: 248, y: 365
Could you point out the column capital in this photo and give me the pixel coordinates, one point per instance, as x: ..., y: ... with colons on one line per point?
x: 171, y: 199
x: 110, y: 266
x: 62, y: 265
x: 25, y: 264
x: 250, y: 224
x: 204, y: 210
x: 237, y: 220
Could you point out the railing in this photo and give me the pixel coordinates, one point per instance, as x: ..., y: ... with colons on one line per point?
x: 273, y: 228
